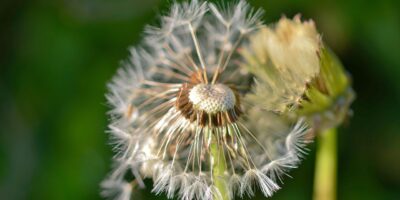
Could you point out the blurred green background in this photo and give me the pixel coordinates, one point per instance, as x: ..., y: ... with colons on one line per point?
x: 57, y: 56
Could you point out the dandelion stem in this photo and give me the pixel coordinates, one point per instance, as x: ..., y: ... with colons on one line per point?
x: 218, y: 169
x: 325, y: 169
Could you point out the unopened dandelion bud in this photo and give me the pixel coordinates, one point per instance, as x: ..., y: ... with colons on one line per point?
x: 298, y: 73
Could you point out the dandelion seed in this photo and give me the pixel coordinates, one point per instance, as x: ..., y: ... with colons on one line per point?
x: 188, y: 114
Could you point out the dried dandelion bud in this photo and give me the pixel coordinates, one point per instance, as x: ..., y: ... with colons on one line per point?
x: 188, y: 114
x: 293, y: 66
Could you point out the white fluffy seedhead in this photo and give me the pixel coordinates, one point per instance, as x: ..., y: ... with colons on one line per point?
x: 185, y: 93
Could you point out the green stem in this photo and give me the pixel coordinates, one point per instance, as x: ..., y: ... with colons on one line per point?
x: 326, y: 166
x: 218, y: 165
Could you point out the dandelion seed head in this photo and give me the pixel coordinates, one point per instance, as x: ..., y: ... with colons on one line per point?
x: 185, y: 93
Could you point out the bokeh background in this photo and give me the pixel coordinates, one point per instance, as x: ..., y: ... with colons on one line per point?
x: 57, y: 56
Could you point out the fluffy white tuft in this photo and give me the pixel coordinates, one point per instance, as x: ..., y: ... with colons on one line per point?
x: 162, y: 128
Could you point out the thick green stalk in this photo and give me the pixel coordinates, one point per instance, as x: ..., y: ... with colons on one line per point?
x: 218, y: 164
x: 326, y: 166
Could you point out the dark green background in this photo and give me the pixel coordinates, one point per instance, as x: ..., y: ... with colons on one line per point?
x: 57, y: 56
